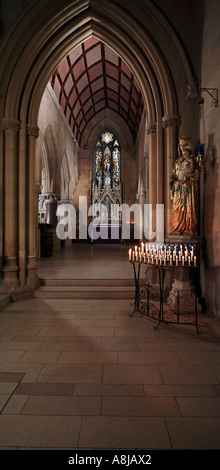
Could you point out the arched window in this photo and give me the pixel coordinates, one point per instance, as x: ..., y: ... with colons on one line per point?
x: 107, y: 161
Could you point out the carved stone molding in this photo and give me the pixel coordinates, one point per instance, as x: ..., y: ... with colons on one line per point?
x: 171, y: 121
x: 11, y: 125
x: 151, y: 128
x: 32, y: 131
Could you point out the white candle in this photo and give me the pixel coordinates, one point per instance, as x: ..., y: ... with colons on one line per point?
x: 148, y: 259
x: 171, y: 261
x: 189, y: 260
x: 130, y: 254
x: 133, y: 256
x: 156, y: 260
x: 176, y: 260
x: 144, y: 257
x: 194, y: 260
x: 179, y: 255
x: 182, y: 260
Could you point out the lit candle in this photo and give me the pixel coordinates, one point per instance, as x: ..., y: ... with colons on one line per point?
x: 182, y: 260
x: 194, y: 260
x: 133, y: 256
x: 136, y: 255
x: 156, y: 260
x: 179, y: 255
x: 130, y: 254
x: 148, y: 259
x: 171, y: 261
x: 144, y: 257
x: 142, y: 246
x: 176, y: 260
x: 189, y: 260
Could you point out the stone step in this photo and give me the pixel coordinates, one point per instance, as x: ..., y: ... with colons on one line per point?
x: 4, y: 300
x: 87, y: 282
x: 84, y: 295
x: 86, y: 288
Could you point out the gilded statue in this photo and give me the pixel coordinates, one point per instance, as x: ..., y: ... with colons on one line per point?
x: 184, y: 186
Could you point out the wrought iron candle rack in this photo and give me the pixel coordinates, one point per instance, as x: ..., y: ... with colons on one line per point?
x: 150, y: 301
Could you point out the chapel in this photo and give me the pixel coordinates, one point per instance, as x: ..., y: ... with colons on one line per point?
x: 109, y: 171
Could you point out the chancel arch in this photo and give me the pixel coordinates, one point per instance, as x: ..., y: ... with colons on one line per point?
x: 49, y: 37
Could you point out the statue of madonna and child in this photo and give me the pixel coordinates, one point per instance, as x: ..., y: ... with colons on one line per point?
x: 184, y: 187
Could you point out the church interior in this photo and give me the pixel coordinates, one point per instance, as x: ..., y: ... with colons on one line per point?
x: 109, y: 115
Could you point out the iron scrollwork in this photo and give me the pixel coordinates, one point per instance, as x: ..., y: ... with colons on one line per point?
x: 178, y: 308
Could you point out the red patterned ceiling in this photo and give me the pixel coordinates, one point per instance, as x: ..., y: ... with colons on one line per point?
x: 93, y: 77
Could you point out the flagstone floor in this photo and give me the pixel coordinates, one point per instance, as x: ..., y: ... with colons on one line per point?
x: 82, y: 374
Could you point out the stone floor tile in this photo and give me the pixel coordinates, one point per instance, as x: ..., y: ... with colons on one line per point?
x: 22, y: 331
x: 215, y: 368
x: 63, y: 346
x: 148, y: 358
x: 19, y: 345
x: 57, y: 331
x: 151, y: 347
x: 39, y: 431
x: 62, y: 406
x: 119, y: 346
x: 76, y: 322
x: 108, y: 390
x: 205, y: 406
x: 123, y: 433
x: 201, y: 357
x: 15, y: 404
x: 198, y: 433
x: 10, y: 356
x: 39, y: 357
x: 216, y: 389
x: 3, y: 401
x: 70, y: 373
x: 7, y: 388
x: 87, y: 358
x: 179, y: 390
x: 187, y: 374
x: 95, y: 331
x: 10, y: 377
x: 139, y: 406
x: 44, y: 389
x: 131, y: 374
x: 29, y: 372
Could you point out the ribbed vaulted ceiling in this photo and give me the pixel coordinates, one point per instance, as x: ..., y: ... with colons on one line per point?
x: 93, y: 77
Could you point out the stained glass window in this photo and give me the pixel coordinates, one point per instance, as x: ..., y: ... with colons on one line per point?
x: 107, y: 161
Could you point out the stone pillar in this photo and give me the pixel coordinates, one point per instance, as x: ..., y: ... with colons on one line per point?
x: 32, y: 279
x: 22, y: 198
x: 171, y: 125
x: 11, y: 128
x: 51, y: 209
x: 152, y: 142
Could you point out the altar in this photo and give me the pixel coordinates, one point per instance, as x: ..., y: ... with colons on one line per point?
x: 105, y: 225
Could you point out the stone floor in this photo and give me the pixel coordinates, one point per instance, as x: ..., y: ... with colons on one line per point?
x: 82, y: 374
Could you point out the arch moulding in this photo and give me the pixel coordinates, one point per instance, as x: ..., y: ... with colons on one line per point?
x: 29, y: 55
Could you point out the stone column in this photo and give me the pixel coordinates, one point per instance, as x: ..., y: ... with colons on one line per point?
x: 11, y: 128
x: 32, y: 279
x: 51, y: 208
x: 22, y: 198
x: 151, y: 130
x: 171, y: 125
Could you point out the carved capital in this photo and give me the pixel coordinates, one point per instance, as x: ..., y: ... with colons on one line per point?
x: 32, y: 131
x: 173, y: 120
x: 11, y: 125
x: 151, y: 128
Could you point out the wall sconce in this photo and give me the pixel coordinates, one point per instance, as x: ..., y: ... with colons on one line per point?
x: 208, y: 90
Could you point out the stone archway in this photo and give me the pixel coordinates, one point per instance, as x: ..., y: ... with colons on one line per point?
x: 43, y: 37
